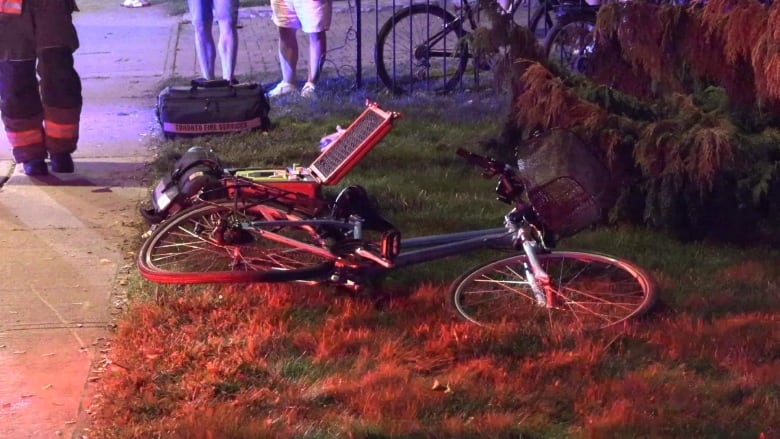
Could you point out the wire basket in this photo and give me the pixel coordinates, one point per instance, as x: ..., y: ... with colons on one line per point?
x: 564, y: 206
x: 567, y: 186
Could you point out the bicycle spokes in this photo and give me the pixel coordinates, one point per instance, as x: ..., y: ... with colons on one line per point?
x: 584, y: 291
x: 421, y: 47
x: 572, y: 46
x: 210, y: 244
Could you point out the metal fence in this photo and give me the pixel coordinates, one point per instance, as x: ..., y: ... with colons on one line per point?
x: 402, y: 61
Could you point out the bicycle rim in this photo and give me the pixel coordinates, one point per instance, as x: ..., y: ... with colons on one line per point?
x: 590, y: 290
x: 204, y: 244
x: 571, y: 43
x: 415, y: 50
x: 543, y: 18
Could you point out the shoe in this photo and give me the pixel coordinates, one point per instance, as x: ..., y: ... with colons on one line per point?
x: 35, y: 167
x: 281, y: 88
x: 309, y: 90
x: 62, y: 163
x: 135, y: 3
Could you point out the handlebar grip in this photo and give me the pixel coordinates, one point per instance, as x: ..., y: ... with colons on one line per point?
x: 491, y: 165
x: 509, y: 188
x: 474, y: 159
x: 463, y: 153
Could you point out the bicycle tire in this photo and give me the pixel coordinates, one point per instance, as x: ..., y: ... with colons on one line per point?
x: 498, y: 291
x: 547, y: 10
x: 571, y: 40
x: 189, y: 249
x: 402, y: 61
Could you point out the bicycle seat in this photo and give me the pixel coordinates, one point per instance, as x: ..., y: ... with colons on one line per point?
x: 354, y: 200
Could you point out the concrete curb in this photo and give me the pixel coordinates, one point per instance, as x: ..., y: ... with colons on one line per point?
x: 6, y: 169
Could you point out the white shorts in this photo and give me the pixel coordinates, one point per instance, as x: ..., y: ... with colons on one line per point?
x: 206, y: 11
x: 311, y: 16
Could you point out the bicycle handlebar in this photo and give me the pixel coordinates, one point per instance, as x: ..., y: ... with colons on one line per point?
x: 491, y: 166
x: 509, y: 188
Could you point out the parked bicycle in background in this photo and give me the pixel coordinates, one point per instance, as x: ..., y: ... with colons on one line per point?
x: 571, y: 39
x: 423, y: 46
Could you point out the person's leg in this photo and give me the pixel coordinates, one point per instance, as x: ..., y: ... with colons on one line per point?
x: 202, y: 20
x: 286, y: 20
x: 317, y: 48
x: 226, y: 14
x: 62, y: 102
x: 56, y: 97
x: 22, y: 113
x: 288, y: 54
x: 20, y: 101
x: 315, y: 17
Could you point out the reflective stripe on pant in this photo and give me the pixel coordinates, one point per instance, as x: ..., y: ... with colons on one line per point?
x: 61, y: 89
x: 13, y: 7
x: 61, y: 126
x: 23, y: 108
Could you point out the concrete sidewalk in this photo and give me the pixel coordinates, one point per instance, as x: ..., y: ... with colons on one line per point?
x: 64, y: 238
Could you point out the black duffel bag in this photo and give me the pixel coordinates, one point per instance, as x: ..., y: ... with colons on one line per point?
x: 212, y: 107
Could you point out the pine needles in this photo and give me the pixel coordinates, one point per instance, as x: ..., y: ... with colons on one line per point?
x: 673, y: 96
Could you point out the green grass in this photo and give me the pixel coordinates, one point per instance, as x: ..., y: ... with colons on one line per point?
x: 289, y: 360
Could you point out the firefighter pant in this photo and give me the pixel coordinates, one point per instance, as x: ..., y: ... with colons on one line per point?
x: 43, y: 122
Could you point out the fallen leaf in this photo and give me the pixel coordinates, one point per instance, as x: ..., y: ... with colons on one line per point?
x: 438, y: 386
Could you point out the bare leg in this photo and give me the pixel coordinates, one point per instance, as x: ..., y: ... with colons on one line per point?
x: 204, y: 46
x: 228, y: 48
x: 288, y: 53
x: 317, y: 46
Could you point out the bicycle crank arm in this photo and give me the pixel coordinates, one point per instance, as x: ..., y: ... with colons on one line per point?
x: 363, y: 253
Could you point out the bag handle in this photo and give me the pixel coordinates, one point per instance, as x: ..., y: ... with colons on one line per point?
x: 209, y: 83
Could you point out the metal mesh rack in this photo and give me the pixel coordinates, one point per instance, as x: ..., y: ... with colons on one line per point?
x: 365, y: 132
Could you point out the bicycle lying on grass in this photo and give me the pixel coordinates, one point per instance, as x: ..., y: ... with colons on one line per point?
x: 259, y: 234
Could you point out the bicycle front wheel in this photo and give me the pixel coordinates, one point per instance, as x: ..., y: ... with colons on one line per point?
x: 421, y: 48
x: 588, y: 291
x: 207, y: 244
x: 571, y: 42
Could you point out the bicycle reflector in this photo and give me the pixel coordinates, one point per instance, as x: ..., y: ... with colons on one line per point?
x: 391, y: 244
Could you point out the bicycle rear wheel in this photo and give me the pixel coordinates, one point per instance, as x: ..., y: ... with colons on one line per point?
x: 421, y: 48
x: 590, y: 290
x: 571, y: 42
x: 206, y: 244
x: 543, y: 18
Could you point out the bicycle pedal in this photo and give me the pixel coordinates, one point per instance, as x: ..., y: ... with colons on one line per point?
x: 391, y: 244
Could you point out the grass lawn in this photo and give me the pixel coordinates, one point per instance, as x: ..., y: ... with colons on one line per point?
x: 295, y: 361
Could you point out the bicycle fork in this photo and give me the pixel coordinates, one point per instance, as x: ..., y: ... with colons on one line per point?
x: 537, y: 277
